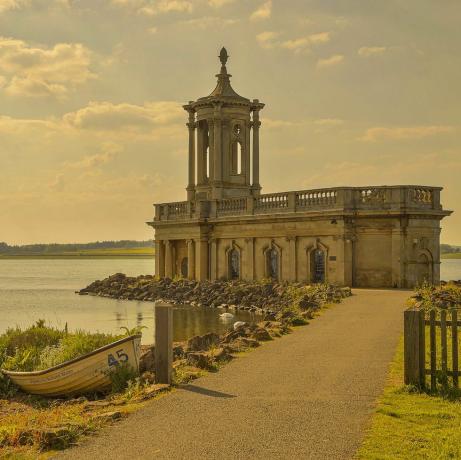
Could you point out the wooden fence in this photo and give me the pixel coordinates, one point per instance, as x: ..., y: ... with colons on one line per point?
x: 426, y: 341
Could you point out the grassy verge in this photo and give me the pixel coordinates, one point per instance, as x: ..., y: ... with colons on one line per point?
x: 87, y: 254
x: 456, y: 255
x: 410, y: 425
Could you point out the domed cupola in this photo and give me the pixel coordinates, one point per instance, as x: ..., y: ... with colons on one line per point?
x: 223, y: 123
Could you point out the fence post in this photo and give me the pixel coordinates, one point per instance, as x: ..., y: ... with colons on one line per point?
x: 163, y: 342
x: 414, y: 352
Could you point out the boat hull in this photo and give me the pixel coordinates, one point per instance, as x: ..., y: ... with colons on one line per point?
x: 87, y: 373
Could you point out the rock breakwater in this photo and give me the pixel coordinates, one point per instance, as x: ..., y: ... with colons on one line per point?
x: 263, y: 297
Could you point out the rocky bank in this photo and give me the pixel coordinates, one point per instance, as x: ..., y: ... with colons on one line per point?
x: 264, y: 297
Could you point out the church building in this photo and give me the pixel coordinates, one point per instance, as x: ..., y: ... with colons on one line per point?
x: 373, y: 236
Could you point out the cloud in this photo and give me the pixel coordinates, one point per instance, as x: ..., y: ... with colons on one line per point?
x: 263, y: 12
x: 330, y: 62
x: 369, y: 51
x: 37, y: 71
x: 304, y: 43
x: 106, y: 116
x: 404, y: 133
x: 328, y: 122
x: 219, y: 3
x: 269, y: 39
x: 85, y: 166
x: 209, y: 22
x: 7, y: 5
x: 156, y: 7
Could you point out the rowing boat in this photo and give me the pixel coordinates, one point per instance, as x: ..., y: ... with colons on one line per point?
x: 87, y: 373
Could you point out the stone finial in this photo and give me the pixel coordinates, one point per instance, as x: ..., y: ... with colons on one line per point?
x: 223, y: 56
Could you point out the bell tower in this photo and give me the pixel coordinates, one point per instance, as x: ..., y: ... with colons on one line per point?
x: 223, y: 142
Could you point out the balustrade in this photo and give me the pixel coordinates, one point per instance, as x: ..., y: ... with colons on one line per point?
x: 350, y: 198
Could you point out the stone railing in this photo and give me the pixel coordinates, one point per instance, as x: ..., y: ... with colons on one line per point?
x: 231, y: 206
x: 271, y: 202
x: 312, y: 198
x: 342, y: 198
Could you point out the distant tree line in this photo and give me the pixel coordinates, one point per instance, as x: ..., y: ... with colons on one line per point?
x: 448, y: 249
x: 56, y: 248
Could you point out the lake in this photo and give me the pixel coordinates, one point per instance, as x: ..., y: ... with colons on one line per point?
x: 32, y: 289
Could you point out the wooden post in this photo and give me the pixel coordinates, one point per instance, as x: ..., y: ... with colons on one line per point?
x: 433, y: 351
x: 454, y: 346
x: 413, y: 348
x: 163, y: 342
x: 443, y: 343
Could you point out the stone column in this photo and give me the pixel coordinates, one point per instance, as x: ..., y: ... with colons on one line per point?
x: 201, y: 259
x: 396, y: 257
x: 200, y: 163
x: 213, y: 259
x: 256, y: 125
x: 191, y: 184
x: 168, y: 259
x: 250, y: 259
x: 159, y: 259
x: 246, y: 157
x: 191, y: 259
x: 211, y: 152
x: 217, y: 172
x: 292, y: 274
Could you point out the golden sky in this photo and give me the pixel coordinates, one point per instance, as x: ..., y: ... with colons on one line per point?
x: 92, y: 131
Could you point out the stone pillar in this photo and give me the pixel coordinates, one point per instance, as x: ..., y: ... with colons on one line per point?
x: 217, y: 171
x: 201, y: 246
x: 211, y: 150
x: 396, y: 257
x: 159, y: 259
x: 200, y: 147
x: 213, y: 259
x: 250, y: 259
x: 168, y: 259
x: 191, y: 184
x: 292, y: 263
x: 246, y: 160
x: 191, y: 259
x: 256, y: 125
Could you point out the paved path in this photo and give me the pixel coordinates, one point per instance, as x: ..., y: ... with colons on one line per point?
x: 308, y: 395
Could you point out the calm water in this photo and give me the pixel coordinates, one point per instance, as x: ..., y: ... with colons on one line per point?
x: 450, y: 269
x: 33, y: 289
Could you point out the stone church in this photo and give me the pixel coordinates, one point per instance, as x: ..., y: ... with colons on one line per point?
x: 374, y: 236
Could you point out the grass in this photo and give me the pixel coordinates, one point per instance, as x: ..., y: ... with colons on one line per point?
x: 408, y: 424
x: 32, y: 426
x: 40, y: 347
x: 108, y: 253
x: 452, y: 255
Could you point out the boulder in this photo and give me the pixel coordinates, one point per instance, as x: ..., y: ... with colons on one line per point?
x: 203, y: 343
x: 147, y: 359
x: 261, y: 334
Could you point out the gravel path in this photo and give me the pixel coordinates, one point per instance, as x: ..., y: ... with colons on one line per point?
x: 308, y: 395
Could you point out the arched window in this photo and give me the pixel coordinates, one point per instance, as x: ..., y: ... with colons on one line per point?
x: 184, y: 267
x: 318, y: 265
x: 234, y: 264
x: 272, y: 263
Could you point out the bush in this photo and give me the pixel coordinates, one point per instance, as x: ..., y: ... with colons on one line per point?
x: 121, y: 377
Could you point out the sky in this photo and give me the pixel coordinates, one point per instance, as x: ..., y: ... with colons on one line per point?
x: 92, y: 130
